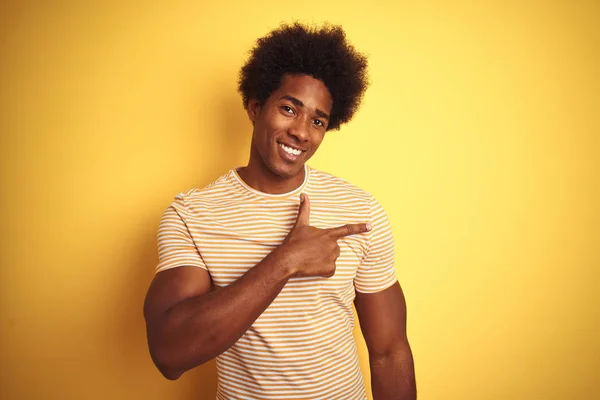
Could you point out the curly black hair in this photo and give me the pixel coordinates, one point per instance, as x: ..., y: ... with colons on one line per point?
x: 322, y: 53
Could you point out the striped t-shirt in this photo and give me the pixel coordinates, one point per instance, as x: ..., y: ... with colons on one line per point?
x: 302, y: 346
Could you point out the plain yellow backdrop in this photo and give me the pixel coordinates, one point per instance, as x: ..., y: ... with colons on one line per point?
x: 479, y: 135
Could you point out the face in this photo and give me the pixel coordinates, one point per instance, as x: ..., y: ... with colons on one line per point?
x: 289, y: 126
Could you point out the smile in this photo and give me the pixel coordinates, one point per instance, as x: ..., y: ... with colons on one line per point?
x: 290, y: 150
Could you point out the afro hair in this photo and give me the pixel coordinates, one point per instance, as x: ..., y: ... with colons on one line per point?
x: 322, y: 53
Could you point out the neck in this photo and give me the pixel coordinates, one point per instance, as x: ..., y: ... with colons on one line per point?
x: 259, y: 177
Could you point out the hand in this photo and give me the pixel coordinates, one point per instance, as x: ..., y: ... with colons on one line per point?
x: 310, y: 251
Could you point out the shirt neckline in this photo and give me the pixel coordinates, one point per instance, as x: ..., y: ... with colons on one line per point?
x: 250, y: 189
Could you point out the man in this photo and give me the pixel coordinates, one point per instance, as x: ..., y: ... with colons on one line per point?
x: 261, y: 267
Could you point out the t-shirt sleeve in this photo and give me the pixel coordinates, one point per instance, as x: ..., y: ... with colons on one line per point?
x: 376, y: 271
x: 176, y: 247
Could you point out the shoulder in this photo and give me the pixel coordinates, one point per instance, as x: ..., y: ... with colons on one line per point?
x: 215, y: 192
x: 324, y: 182
x: 337, y: 192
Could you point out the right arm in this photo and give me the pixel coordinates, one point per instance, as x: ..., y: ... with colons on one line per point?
x: 188, y: 324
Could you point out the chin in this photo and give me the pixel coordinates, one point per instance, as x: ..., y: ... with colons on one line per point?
x: 287, y: 171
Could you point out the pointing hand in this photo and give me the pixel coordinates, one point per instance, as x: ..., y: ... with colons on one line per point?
x: 312, y: 251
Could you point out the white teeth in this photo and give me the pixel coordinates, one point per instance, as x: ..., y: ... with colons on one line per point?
x: 289, y: 150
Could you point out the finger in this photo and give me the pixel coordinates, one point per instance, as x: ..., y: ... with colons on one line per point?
x: 348, y: 229
x: 329, y: 274
x: 303, y: 218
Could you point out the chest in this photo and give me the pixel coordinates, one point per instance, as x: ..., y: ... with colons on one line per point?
x: 233, y: 237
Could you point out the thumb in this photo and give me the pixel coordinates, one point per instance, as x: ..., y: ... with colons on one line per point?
x: 303, y: 218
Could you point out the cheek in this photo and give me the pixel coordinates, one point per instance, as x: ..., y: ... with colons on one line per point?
x: 279, y: 122
x: 261, y: 132
x: 271, y: 125
x: 317, y: 139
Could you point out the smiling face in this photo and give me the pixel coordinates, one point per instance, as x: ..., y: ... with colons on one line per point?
x: 288, y: 129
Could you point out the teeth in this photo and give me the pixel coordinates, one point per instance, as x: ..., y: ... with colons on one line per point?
x: 289, y: 150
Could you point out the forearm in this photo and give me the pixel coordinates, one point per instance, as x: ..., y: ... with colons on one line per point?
x: 202, y: 327
x: 393, y: 375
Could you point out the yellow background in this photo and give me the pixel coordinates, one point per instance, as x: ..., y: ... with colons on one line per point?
x: 479, y: 135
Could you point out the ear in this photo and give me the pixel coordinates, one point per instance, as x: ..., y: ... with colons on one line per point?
x: 253, y: 109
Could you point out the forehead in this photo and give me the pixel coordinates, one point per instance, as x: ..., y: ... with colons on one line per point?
x: 310, y: 91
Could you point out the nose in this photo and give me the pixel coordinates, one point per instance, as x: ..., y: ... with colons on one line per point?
x: 299, y: 129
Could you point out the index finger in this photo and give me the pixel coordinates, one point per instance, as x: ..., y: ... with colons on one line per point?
x: 348, y: 229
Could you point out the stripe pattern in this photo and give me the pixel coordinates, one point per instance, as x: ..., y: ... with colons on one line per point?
x: 302, y: 346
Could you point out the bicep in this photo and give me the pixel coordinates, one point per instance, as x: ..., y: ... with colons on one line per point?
x: 382, y: 318
x: 182, y: 273
x: 172, y: 287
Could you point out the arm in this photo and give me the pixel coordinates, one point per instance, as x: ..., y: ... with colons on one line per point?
x: 382, y: 319
x: 187, y: 324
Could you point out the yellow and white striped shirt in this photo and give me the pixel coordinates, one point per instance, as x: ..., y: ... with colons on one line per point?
x: 302, y: 346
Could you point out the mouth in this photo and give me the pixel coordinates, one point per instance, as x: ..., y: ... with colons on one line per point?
x: 290, y: 149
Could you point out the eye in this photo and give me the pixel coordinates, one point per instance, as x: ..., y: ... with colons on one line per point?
x: 287, y: 109
x: 319, y: 123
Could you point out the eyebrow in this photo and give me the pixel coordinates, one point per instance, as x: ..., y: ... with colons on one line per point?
x: 299, y: 103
